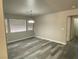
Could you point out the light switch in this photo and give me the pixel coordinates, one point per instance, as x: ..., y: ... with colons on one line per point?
x: 62, y: 28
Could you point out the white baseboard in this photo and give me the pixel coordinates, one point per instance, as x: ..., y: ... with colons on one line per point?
x: 51, y: 40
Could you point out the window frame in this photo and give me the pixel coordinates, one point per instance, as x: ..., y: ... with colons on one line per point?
x: 9, y: 29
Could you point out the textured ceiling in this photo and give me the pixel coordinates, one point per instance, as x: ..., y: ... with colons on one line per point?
x: 38, y: 7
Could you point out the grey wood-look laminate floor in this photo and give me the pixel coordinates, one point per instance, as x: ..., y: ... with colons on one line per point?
x: 71, y: 50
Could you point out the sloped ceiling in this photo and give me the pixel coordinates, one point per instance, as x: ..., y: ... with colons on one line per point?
x: 38, y: 7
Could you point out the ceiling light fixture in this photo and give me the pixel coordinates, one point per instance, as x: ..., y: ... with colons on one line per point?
x: 31, y: 19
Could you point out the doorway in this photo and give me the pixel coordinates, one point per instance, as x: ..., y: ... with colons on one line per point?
x: 74, y: 27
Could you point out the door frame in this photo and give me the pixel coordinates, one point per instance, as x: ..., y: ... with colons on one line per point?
x: 69, y: 23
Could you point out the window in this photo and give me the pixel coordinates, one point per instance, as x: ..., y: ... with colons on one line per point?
x: 17, y: 25
x: 30, y: 24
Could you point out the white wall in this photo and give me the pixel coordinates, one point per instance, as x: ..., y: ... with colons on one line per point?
x: 11, y: 37
x: 53, y: 26
x: 13, y: 16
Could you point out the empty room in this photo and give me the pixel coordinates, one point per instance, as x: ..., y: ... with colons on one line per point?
x: 38, y: 29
